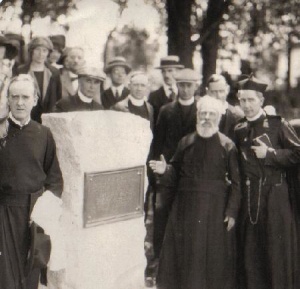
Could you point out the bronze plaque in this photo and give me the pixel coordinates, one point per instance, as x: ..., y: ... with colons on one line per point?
x: 113, y: 196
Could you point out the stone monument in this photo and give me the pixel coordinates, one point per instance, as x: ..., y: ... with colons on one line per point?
x: 102, y: 156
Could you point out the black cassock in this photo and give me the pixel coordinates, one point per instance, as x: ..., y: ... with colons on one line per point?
x: 198, y: 251
x: 28, y: 165
x: 269, y: 216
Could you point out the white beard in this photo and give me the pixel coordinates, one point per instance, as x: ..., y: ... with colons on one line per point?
x: 206, y: 132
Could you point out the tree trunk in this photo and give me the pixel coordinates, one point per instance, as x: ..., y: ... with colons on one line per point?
x: 179, y: 30
x: 210, y: 38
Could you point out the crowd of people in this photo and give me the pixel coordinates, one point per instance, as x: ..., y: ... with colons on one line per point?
x: 222, y: 205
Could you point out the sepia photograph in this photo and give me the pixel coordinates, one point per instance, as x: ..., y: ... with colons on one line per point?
x: 149, y: 144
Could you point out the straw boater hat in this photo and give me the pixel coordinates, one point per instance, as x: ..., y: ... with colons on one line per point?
x: 187, y: 75
x: 249, y: 82
x: 91, y: 72
x: 170, y: 61
x: 117, y: 61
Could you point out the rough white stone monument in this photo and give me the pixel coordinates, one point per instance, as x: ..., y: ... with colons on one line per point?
x: 108, y: 254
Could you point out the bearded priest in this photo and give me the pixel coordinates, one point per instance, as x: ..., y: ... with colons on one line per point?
x: 199, y: 246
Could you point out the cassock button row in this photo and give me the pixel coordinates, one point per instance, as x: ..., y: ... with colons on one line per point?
x: 245, y: 139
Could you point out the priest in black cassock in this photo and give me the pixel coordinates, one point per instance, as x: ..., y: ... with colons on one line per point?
x: 268, y: 150
x: 89, y: 79
x: 136, y: 102
x: 199, y: 246
x: 28, y: 167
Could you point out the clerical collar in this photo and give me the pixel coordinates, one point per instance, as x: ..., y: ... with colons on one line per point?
x: 118, y: 89
x: 260, y: 113
x: 186, y: 102
x: 17, y: 122
x: 167, y: 89
x: 225, y: 107
x: 84, y: 98
x: 136, y: 102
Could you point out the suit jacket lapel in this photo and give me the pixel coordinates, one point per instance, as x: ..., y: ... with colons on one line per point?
x: 46, y: 81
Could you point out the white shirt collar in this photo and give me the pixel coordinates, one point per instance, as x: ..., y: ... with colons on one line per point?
x: 84, y: 98
x: 186, y: 102
x: 117, y: 88
x: 225, y: 106
x: 136, y: 102
x: 167, y: 89
x: 72, y: 74
x: 17, y: 121
x: 260, y: 113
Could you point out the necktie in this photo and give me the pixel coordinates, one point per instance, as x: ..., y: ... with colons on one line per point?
x: 117, y: 95
x: 172, y: 94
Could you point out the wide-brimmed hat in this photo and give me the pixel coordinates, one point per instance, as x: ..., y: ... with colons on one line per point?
x: 59, y: 42
x: 117, y: 61
x: 40, y: 41
x: 12, y: 47
x: 249, y: 82
x: 187, y: 75
x: 170, y: 61
x: 40, y: 249
x: 92, y: 72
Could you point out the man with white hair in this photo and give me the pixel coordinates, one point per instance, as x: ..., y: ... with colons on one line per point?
x: 198, y: 249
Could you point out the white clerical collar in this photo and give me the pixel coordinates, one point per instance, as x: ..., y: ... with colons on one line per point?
x: 84, y: 98
x: 260, y: 113
x: 225, y: 107
x: 17, y: 121
x: 136, y: 102
x: 186, y: 102
x: 168, y: 87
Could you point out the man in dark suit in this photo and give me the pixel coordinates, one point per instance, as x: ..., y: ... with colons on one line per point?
x: 72, y: 59
x: 175, y: 120
x: 218, y: 88
x: 89, y: 79
x: 46, y: 77
x: 168, y: 92
x: 117, y: 69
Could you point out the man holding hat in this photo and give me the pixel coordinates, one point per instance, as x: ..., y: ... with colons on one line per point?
x: 168, y: 92
x: 118, y: 70
x: 89, y: 79
x: 198, y: 250
x: 28, y: 168
x: 269, y: 152
x: 46, y: 77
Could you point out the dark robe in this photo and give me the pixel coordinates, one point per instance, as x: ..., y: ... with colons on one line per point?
x: 228, y: 122
x: 74, y: 103
x: 157, y: 99
x: 28, y: 165
x: 108, y: 99
x: 198, y: 252
x: 267, y: 224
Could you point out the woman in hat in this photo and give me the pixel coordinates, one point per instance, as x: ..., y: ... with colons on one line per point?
x: 46, y: 77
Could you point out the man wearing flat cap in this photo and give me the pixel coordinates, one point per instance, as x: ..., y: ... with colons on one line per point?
x: 175, y: 120
x: 198, y: 249
x: 117, y: 69
x: 89, y: 79
x: 46, y: 77
x: 269, y: 152
x: 168, y: 92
